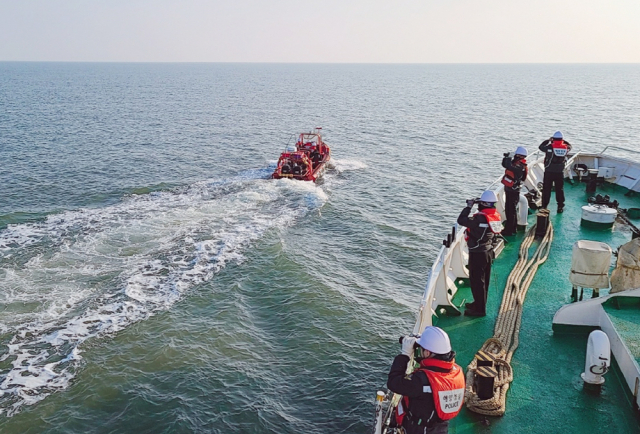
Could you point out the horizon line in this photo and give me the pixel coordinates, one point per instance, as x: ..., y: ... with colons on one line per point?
x: 315, y: 63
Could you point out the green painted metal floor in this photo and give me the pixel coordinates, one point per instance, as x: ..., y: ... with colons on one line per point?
x: 626, y: 319
x: 547, y: 394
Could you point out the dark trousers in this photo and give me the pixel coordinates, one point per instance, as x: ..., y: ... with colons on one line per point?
x: 479, y: 275
x: 549, y: 180
x: 438, y: 428
x: 511, y: 202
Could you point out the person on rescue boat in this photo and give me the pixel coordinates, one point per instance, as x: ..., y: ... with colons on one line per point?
x: 481, y: 232
x: 555, y: 158
x: 434, y: 393
x: 514, y: 175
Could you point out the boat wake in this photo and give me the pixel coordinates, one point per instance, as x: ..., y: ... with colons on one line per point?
x: 86, y: 274
x: 341, y: 166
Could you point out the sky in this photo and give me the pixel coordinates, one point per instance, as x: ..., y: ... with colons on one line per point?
x: 323, y: 31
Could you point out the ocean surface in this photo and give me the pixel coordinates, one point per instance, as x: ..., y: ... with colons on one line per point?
x: 153, y: 279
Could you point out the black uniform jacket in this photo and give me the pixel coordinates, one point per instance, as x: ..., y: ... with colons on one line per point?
x: 480, y: 235
x: 518, y: 173
x: 553, y: 163
x: 421, y: 405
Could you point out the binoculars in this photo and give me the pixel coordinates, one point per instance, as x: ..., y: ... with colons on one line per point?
x: 415, y: 345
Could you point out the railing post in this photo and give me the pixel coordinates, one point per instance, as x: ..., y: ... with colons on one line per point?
x: 379, y: 399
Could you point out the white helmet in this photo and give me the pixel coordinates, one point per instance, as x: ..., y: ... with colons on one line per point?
x: 435, y: 340
x: 557, y: 135
x: 521, y: 150
x: 488, y: 196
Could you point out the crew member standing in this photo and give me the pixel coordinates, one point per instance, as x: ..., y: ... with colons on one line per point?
x: 514, y: 175
x: 482, y: 228
x: 555, y: 158
x: 433, y: 394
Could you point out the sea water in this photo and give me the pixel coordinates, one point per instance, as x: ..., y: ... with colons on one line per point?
x: 154, y: 279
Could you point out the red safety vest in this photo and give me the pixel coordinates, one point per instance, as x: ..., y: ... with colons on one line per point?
x: 559, y: 148
x: 447, y: 389
x: 494, y: 219
x: 509, y: 178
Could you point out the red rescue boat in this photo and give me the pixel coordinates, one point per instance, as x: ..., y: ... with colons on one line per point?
x: 307, y: 161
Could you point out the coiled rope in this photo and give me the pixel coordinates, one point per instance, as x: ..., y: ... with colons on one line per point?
x: 506, y: 333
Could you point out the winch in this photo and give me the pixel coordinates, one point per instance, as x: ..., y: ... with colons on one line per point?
x: 601, y: 212
x: 600, y: 215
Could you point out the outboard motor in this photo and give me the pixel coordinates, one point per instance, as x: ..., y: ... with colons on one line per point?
x: 285, y: 169
x: 297, y: 170
x: 597, y: 362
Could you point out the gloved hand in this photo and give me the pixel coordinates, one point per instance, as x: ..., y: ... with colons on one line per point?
x: 470, y: 202
x: 407, y: 345
x: 506, y: 154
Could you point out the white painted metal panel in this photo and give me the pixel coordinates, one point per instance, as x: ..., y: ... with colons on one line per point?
x: 630, y: 177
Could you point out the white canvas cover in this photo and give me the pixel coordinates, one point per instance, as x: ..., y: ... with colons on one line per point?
x: 627, y: 272
x: 590, y: 264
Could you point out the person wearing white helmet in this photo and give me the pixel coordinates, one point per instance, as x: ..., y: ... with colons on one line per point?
x: 434, y: 393
x: 555, y: 157
x: 481, y: 232
x: 514, y: 175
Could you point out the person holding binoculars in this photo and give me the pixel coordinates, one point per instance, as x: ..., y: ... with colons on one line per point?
x: 514, y: 175
x: 482, y: 229
x: 556, y: 151
x: 434, y: 393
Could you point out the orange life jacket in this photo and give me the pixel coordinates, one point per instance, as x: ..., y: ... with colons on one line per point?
x: 447, y: 389
x: 509, y: 178
x: 559, y: 148
x: 494, y: 220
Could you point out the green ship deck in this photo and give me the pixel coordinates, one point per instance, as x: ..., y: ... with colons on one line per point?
x: 626, y: 319
x: 547, y: 392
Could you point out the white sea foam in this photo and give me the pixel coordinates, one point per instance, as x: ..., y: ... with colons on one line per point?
x: 347, y: 165
x: 89, y: 273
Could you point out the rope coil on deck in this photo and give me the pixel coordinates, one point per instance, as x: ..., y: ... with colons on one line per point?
x: 507, y: 329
